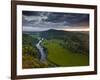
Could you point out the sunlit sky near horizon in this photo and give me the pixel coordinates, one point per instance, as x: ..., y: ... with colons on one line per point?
x: 40, y: 21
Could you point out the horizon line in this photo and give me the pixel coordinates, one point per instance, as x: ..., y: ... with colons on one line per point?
x: 63, y: 30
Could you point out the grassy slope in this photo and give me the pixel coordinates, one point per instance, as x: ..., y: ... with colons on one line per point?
x: 64, y: 57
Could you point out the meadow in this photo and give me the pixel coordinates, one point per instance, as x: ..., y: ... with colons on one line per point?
x: 63, y: 57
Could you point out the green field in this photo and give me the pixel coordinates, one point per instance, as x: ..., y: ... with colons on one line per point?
x: 63, y: 57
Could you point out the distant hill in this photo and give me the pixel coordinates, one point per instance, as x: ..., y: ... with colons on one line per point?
x: 60, y: 34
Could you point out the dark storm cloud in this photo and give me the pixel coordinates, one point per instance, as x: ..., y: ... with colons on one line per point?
x: 72, y: 19
x: 54, y: 19
x: 30, y: 13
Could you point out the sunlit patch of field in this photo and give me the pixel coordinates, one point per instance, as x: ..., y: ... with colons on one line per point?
x: 64, y: 57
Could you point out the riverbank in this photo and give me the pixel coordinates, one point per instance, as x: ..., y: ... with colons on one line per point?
x: 41, y: 51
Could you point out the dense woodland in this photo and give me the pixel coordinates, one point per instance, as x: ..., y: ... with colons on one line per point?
x: 30, y: 53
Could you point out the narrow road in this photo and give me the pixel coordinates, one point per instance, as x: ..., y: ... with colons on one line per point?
x: 41, y: 51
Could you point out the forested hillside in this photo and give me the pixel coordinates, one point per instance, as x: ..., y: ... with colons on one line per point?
x: 73, y: 40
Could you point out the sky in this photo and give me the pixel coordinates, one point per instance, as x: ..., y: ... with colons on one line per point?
x: 41, y: 21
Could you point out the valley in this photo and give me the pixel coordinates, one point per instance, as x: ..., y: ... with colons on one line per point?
x: 55, y: 48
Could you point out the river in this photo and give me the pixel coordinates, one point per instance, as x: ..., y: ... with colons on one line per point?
x: 41, y: 51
